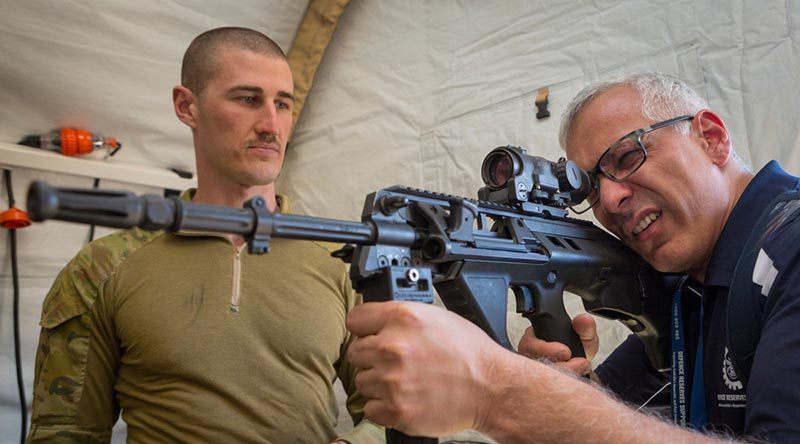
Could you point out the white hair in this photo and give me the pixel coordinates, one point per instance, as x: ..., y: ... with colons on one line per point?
x: 662, y: 97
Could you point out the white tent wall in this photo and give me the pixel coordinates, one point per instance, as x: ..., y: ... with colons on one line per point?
x: 405, y: 83
x: 409, y: 92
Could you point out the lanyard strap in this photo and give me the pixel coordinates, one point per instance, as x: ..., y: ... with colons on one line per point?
x: 696, y: 414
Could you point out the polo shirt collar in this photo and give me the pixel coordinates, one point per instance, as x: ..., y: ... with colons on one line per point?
x: 762, y: 189
x: 284, y: 205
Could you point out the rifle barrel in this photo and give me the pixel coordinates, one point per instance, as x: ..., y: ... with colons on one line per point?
x: 120, y: 209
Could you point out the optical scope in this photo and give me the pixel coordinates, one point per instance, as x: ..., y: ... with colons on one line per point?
x: 513, y: 177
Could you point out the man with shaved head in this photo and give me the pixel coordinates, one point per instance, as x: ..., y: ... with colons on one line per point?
x: 668, y: 183
x: 188, y: 336
x: 200, y: 63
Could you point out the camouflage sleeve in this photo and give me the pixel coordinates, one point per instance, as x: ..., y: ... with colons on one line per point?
x: 73, y: 399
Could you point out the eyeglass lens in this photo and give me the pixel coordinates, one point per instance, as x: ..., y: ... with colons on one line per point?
x: 623, y: 158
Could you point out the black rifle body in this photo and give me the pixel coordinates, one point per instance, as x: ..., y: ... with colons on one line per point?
x: 410, y: 241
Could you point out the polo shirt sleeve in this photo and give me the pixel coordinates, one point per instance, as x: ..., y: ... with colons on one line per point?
x: 773, y: 389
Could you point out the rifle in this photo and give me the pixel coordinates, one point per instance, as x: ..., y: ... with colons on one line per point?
x: 410, y: 241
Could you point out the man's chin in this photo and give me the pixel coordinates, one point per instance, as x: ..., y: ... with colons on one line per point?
x: 256, y: 177
x: 263, y: 182
x: 258, y: 180
x: 657, y: 256
x: 665, y: 264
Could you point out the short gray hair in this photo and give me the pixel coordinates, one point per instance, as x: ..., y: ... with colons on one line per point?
x: 662, y: 97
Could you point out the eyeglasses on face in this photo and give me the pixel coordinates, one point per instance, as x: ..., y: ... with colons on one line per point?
x: 623, y: 158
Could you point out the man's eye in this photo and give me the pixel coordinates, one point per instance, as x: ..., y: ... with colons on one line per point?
x: 249, y: 100
x: 281, y: 105
x: 629, y: 159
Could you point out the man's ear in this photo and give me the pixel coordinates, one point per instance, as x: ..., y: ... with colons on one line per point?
x: 714, y: 136
x: 185, y: 104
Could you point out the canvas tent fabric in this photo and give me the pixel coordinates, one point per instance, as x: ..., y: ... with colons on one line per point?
x: 312, y: 39
x: 412, y: 93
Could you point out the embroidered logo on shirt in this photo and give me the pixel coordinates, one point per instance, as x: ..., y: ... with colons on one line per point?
x: 729, y: 374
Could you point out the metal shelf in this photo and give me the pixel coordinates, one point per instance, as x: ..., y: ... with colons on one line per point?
x: 13, y: 155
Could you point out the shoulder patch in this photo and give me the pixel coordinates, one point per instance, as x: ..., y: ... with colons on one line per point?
x: 764, y: 272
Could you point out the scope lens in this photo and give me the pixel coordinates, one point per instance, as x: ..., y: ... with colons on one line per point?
x: 498, y: 167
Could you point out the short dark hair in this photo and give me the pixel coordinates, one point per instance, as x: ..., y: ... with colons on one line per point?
x: 199, y: 62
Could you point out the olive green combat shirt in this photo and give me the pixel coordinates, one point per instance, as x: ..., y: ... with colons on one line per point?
x: 195, y: 340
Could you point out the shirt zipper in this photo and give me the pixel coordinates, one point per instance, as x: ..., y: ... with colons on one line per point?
x: 237, y: 277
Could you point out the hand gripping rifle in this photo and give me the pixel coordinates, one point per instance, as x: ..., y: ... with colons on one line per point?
x: 517, y: 236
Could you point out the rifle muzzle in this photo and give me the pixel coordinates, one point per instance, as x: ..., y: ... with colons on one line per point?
x: 117, y: 209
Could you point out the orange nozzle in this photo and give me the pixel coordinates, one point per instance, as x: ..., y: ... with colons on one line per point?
x: 14, y: 218
x: 75, y: 141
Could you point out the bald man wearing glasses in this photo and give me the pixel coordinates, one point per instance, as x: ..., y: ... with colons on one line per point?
x: 669, y: 184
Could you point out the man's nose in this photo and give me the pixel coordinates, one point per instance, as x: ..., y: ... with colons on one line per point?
x: 613, y: 195
x: 267, y: 120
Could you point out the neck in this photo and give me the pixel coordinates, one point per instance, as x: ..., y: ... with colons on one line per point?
x: 741, y: 178
x: 217, y: 187
x: 235, y: 195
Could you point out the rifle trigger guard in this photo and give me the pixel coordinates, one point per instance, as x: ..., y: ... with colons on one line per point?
x: 258, y: 240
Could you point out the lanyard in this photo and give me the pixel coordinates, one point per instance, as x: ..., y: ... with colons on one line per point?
x: 697, y: 401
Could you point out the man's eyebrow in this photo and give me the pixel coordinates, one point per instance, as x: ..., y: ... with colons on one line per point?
x: 286, y: 95
x: 249, y: 88
x: 259, y: 90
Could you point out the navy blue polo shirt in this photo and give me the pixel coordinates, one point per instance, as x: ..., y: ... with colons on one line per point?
x: 769, y: 407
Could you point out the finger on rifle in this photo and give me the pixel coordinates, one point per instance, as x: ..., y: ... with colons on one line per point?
x: 383, y: 349
x: 533, y: 347
x: 586, y: 327
x: 368, y: 384
x: 526, y: 342
x: 393, y: 414
x: 363, y: 352
x: 378, y: 411
x: 369, y: 318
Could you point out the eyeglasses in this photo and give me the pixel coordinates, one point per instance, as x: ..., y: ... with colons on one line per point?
x: 620, y: 160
